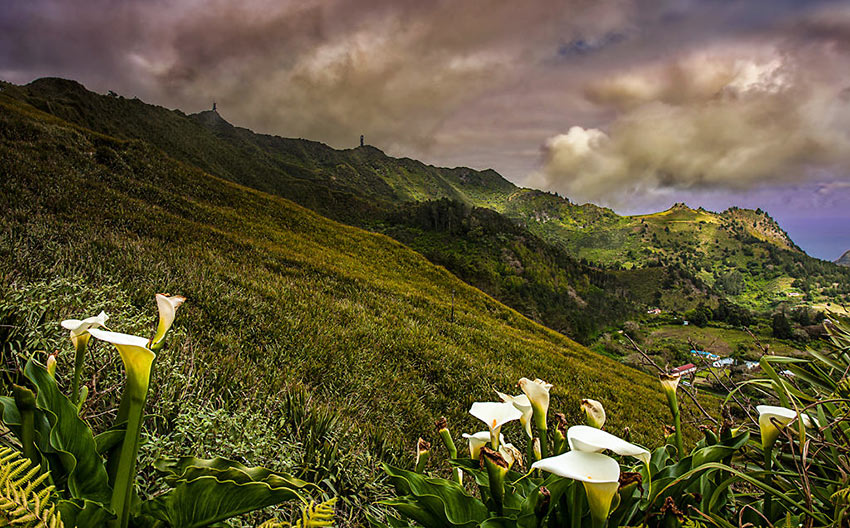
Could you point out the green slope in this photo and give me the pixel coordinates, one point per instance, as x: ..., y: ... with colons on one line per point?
x: 714, y: 254
x: 278, y: 296
x: 366, y: 188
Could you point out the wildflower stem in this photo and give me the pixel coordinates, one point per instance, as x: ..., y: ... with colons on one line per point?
x: 126, y: 471
x: 673, y: 402
x: 79, y: 362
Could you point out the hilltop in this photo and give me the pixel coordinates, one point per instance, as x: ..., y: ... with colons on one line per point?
x: 844, y: 259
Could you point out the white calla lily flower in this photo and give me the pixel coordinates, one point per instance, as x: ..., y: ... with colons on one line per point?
x: 135, y: 353
x: 479, y: 440
x: 772, y: 417
x: 538, y: 395
x: 523, y: 404
x: 592, y: 440
x: 167, y: 306
x: 669, y: 382
x: 495, y: 415
x: 594, y: 411
x: 599, y: 473
x: 80, y: 328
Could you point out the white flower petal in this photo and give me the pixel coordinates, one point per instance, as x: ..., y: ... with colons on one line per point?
x: 117, y: 338
x: 523, y: 404
x: 78, y: 327
x: 770, y: 416
x: 479, y: 440
x: 167, y: 306
x: 595, y: 412
x: 583, y: 466
x: 495, y: 414
x: 593, y: 440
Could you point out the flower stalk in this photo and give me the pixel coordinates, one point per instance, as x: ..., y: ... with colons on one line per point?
x: 80, y: 339
x: 138, y: 362
x: 670, y: 384
x: 497, y: 467
x: 25, y: 401
x: 443, y: 430
x: 423, y: 453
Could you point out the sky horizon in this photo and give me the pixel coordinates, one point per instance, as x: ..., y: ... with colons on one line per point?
x: 629, y: 104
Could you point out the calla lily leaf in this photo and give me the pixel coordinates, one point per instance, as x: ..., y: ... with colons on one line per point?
x: 207, y: 500
x: 440, y: 500
x: 593, y: 440
x: 71, y: 438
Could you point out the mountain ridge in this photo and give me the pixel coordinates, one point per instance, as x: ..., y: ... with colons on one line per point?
x: 364, y: 187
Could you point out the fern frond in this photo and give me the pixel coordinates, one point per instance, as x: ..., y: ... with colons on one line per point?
x: 25, y: 500
x: 313, y: 515
x: 317, y: 515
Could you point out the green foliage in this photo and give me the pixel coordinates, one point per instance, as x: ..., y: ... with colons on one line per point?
x: 728, y: 479
x: 26, y: 497
x: 199, y: 492
x: 781, y: 327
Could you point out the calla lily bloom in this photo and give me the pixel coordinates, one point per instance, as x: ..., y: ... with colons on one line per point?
x: 592, y: 440
x: 479, y: 440
x: 595, y: 413
x: 495, y: 415
x: 599, y: 473
x: 538, y: 395
x: 522, y: 404
x: 167, y: 311
x: 771, y: 418
x: 138, y: 361
x: 80, y: 339
x: 80, y: 328
x: 135, y: 353
x: 669, y: 382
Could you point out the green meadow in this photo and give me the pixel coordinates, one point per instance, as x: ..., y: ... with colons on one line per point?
x: 288, y: 313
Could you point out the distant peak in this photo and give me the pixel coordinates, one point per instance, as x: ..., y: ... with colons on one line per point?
x: 210, y: 117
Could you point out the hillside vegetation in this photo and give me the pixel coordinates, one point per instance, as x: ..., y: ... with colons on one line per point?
x: 365, y: 188
x: 279, y: 297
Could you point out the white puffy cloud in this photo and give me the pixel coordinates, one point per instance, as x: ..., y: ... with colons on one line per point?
x: 735, y: 117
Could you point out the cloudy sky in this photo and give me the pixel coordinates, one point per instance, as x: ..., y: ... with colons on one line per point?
x: 627, y: 103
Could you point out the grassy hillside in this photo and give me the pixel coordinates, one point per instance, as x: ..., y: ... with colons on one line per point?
x: 722, y: 254
x: 364, y: 187
x: 279, y: 297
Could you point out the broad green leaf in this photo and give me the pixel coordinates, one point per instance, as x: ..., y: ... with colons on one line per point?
x: 440, y: 498
x: 718, y: 452
x: 109, y: 439
x: 71, y: 438
x: 190, y: 468
x: 221, y: 494
x: 83, y: 513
